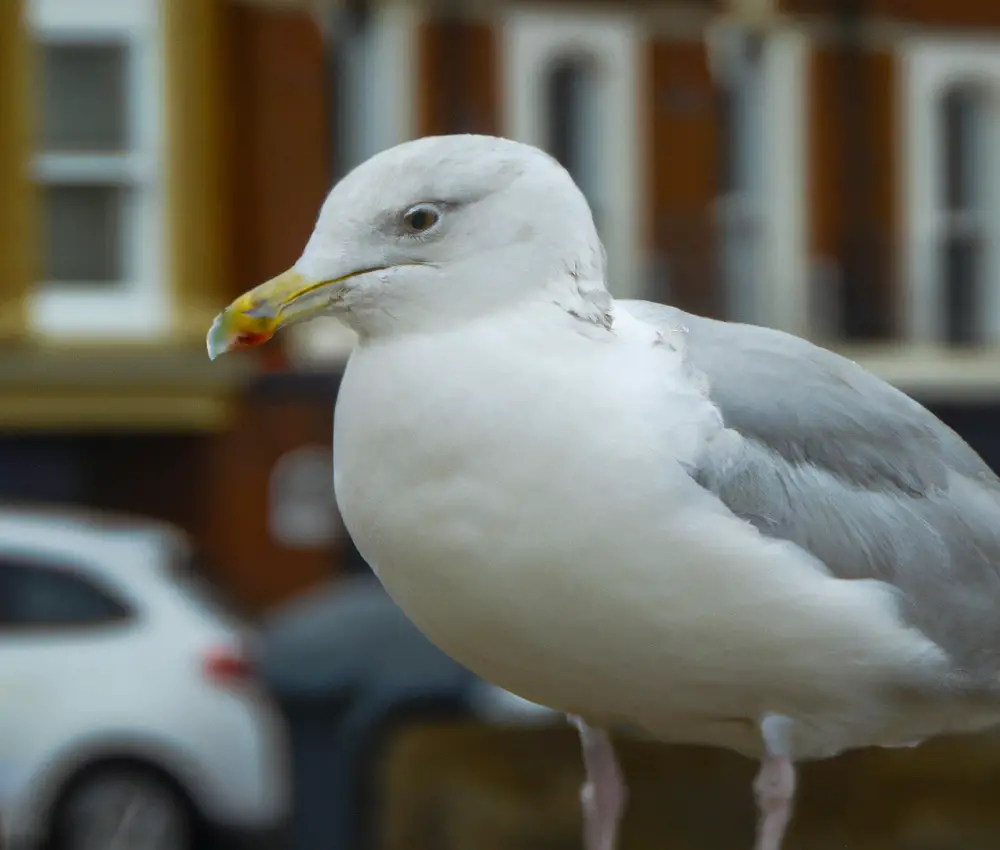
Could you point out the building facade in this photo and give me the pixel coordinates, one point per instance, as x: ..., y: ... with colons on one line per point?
x: 818, y: 166
x: 821, y: 166
x: 826, y: 167
x: 156, y: 158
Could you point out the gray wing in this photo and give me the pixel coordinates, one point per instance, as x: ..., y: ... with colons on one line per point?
x: 856, y: 472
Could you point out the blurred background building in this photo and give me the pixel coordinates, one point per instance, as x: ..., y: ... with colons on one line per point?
x: 821, y: 166
x: 827, y: 167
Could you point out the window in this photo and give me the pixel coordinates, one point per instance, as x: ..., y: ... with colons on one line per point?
x: 571, y: 86
x: 951, y: 193
x: 573, y: 109
x: 761, y: 210
x: 740, y: 209
x: 47, y: 597
x: 356, y: 72
x: 98, y: 168
x: 965, y: 220
x: 83, y: 111
x: 373, y: 46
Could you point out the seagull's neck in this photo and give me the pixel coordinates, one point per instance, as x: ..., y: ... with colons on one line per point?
x: 582, y: 318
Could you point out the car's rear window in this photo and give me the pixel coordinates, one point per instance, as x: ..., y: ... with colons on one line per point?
x: 48, y: 595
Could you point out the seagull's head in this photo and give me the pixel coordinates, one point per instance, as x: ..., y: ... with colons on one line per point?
x: 434, y: 231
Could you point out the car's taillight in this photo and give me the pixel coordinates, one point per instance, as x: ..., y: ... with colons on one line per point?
x: 228, y: 667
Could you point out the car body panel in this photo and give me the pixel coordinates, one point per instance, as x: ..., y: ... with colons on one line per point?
x: 77, y: 695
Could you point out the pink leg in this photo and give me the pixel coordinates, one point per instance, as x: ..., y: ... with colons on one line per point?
x: 604, y: 792
x: 775, y: 783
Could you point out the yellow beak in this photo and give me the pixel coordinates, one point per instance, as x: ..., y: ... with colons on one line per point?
x: 257, y: 315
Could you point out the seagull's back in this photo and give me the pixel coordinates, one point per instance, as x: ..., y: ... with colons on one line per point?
x: 857, y: 473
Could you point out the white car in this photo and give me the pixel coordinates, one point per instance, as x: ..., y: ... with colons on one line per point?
x: 130, y: 718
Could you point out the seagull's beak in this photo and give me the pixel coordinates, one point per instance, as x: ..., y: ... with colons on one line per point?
x: 257, y: 315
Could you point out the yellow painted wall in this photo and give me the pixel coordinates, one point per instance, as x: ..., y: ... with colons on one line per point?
x: 17, y: 231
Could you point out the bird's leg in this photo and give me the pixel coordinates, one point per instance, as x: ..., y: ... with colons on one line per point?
x: 604, y: 792
x: 775, y: 783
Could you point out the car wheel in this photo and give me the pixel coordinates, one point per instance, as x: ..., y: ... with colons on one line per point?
x: 123, y: 809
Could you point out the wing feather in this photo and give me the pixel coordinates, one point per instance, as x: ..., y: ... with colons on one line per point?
x: 837, y: 461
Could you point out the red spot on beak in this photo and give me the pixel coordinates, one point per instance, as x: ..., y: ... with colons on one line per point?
x: 245, y: 340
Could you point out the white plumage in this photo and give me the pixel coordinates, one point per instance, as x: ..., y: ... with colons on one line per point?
x: 624, y: 512
x: 529, y: 508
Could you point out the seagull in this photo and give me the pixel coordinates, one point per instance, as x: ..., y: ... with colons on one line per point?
x: 706, y: 532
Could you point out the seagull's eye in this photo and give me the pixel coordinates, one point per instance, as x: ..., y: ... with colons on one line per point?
x: 420, y: 218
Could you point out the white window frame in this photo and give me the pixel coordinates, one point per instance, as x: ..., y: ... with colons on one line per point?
x: 532, y: 39
x: 776, y: 200
x: 928, y: 68
x: 140, y: 305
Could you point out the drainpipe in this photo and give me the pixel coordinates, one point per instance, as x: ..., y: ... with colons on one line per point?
x: 863, y: 316
x: 454, y: 64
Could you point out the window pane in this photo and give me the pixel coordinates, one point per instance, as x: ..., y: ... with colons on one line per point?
x: 83, y: 97
x: 962, y: 259
x: 49, y: 597
x: 741, y: 238
x: 727, y: 150
x: 740, y: 110
x: 82, y: 233
x: 740, y: 156
x: 8, y: 585
x: 567, y: 80
x: 573, y: 110
x: 963, y: 126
